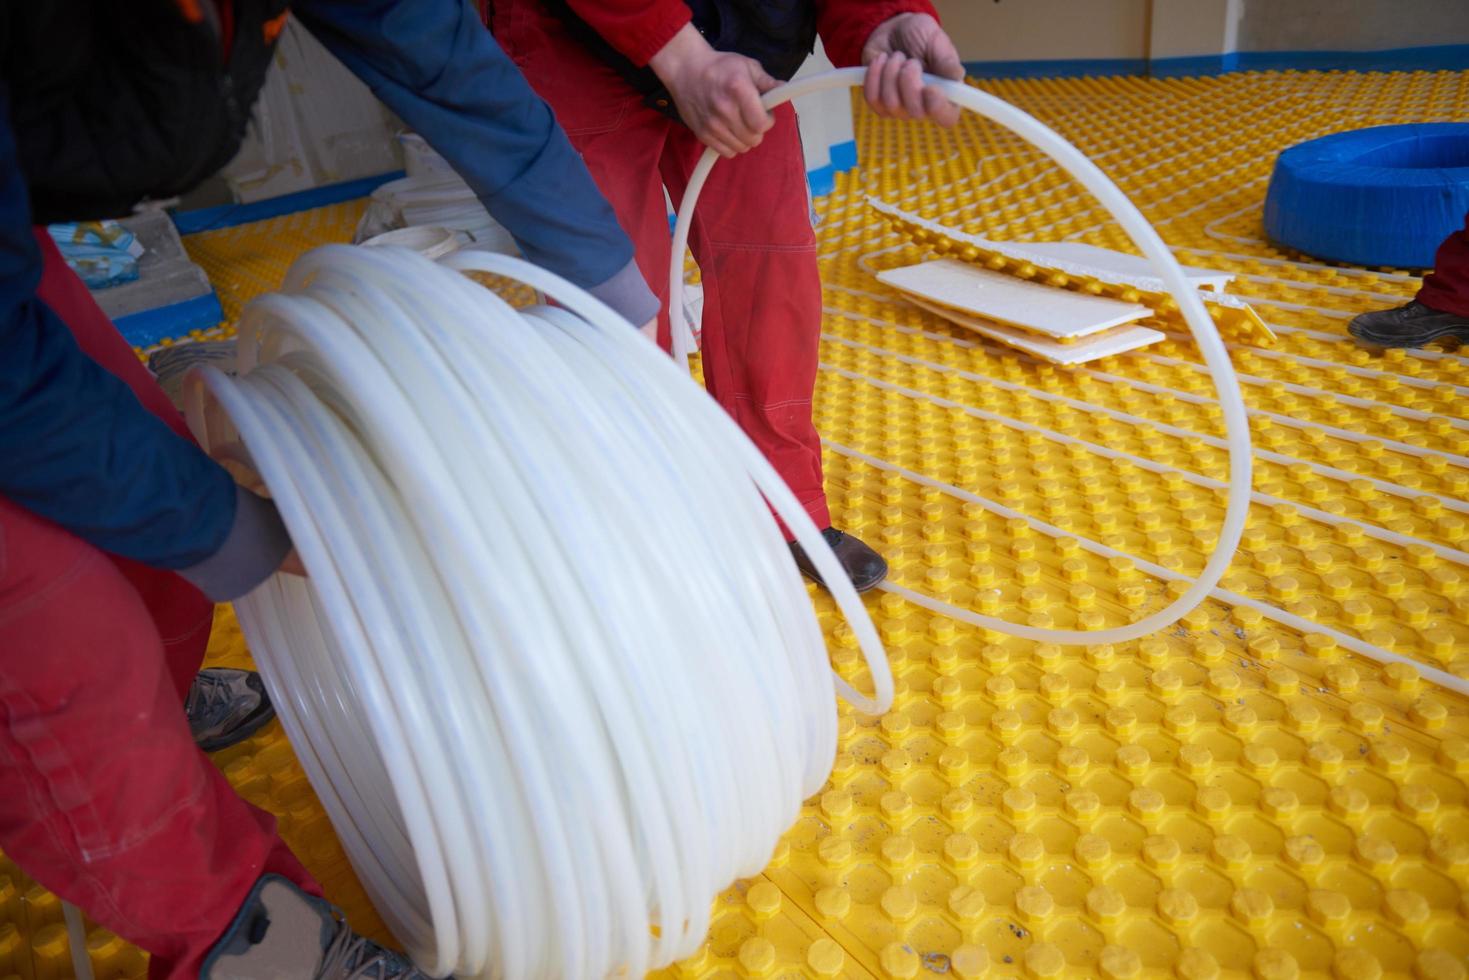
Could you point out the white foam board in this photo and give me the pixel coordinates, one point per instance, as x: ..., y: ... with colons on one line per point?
x: 996, y: 296
x: 1118, y: 266
x: 1142, y: 278
x: 1118, y: 340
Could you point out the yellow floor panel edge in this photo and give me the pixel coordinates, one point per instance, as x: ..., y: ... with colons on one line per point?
x: 1249, y: 794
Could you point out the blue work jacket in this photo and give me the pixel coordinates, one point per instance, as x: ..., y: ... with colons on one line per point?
x: 77, y: 448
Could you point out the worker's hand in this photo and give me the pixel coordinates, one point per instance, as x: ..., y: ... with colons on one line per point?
x: 291, y: 565
x: 897, y: 53
x: 717, y: 93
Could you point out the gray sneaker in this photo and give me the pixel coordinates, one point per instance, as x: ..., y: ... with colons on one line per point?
x: 170, y: 364
x: 226, y: 706
x: 282, y: 933
x: 1410, y: 325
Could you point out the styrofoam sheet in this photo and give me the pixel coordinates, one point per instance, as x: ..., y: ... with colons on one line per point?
x: 1144, y: 279
x: 1118, y: 340
x: 996, y: 296
x: 1120, y: 265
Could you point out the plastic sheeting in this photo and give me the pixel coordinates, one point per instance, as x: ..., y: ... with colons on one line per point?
x: 1384, y: 196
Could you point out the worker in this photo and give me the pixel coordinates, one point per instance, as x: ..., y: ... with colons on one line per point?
x: 642, y: 87
x: 116, y: 531
x: 1441, y: 308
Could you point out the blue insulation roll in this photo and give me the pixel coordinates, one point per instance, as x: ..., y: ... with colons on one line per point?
x: 1384, y: 196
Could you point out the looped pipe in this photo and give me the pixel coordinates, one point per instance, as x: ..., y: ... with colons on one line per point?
x: 1216, y: 358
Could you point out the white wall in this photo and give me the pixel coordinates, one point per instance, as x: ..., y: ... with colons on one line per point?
x: 313, y: 124
x: 1352, y: 25
x: 826, y: 117
x: 1052, y: 30
x: 1192, y: 28
x: 1046, y: 30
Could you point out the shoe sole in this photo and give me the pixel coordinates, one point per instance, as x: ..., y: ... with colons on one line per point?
x: 247, y: 728
x: 869, y: 586
x: 1461, y: 334
x: 862, y: 587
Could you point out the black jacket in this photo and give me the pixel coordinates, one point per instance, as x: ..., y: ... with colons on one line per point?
x: 777, y: 33
x: 114, y: 101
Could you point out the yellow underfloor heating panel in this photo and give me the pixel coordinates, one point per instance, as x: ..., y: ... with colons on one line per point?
x: 1250, y: 794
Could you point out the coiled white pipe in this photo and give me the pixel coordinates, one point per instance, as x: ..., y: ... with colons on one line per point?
x: 554, y: 675
x: 1216, y: 358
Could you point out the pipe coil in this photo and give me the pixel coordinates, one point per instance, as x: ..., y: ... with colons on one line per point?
x: 554, y: 676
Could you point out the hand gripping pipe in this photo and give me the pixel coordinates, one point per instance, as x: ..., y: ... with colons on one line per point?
x: 554, y: 676
x: 1216, y: 358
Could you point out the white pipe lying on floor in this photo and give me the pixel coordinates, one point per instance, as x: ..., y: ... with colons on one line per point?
x: 554, y: 675
x: 1216, y: 358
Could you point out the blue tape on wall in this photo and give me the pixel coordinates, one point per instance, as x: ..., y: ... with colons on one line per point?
x: 822, y: 180
x: 1383, y: 196
x: 229, y: 215
x: 176, y: 320
x: 1064, y: 68
x: 843, y: 156
x: 1442, y: 57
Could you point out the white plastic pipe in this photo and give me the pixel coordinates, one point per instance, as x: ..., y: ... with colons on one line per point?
x: 1216, y: 358
x: 554, y: 675
x: 76, y: 938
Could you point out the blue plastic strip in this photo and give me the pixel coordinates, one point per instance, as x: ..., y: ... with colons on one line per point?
x: 1071, y: 68
x: 843, y: 156
x: 1207, y: 64
x: 1441, y: 57
x: 148, y: 327
x: 823, y: 180
x: 229, y: 215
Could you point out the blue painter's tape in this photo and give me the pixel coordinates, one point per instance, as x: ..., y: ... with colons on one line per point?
x: 148, y: 327
x: 822, y: 180
x: 1382, y: 196
x: 1069, y: 68
x: 1439, y: 57
x: 1194, y: 67
x: 843, y: 156
x: 229, y: 215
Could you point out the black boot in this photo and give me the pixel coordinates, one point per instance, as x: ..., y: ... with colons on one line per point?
x: 865, y: 567
x: 1410, y: 325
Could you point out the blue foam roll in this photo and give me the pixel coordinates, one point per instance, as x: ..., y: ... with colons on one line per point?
x: 1384, y: 196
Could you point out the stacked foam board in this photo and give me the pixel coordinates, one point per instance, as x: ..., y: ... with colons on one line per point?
x: 1060, y: 326
x: 1067, y: 302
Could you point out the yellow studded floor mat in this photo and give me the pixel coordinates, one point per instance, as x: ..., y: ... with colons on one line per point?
x: 1248, y: 794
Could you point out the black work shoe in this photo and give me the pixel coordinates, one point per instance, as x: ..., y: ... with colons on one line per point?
x: 281, y: 932
x: 226, y: 706
x: 865, y: 567
x: 1411, y: 325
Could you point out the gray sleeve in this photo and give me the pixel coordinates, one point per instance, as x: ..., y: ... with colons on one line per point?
x: 628, y: 294
x: 256, y: 545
